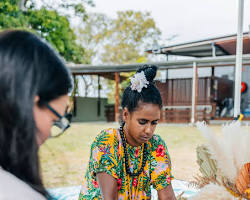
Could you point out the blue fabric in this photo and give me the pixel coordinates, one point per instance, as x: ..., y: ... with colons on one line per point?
x: 72, y: 193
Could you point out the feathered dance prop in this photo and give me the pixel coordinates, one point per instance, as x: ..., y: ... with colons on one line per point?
x: 243, y: 180
x: 224, y: 163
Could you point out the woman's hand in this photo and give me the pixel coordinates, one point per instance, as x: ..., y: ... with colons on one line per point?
x: 108, y: 186
x: 166, y: 193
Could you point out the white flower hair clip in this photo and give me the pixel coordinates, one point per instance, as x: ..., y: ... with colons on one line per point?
x: 139, y: 81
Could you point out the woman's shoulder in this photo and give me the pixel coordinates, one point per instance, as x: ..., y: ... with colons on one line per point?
x: 107, y: 136
x: 157, y: 140
x: 12, y: 187
x: 156, y: 143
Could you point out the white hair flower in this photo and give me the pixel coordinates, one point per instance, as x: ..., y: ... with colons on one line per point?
x: 139, y: 81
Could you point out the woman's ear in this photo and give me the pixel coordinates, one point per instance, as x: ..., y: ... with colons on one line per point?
x: 36, y: 99
x: 125, y: 114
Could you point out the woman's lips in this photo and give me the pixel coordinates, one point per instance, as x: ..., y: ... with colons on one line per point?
x: 145, y: 138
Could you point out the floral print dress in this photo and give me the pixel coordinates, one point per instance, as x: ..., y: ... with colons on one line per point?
x: 107, y: 155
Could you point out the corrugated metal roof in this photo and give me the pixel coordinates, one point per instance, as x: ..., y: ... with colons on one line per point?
x: 224, y: 45
x: 187, y: 63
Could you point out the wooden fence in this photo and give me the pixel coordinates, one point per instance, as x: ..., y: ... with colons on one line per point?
x: 183, y: 115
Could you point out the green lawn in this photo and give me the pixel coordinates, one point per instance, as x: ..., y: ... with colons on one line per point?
x: 64, y: 160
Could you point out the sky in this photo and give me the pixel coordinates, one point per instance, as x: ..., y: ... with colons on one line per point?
x: 190, y: 19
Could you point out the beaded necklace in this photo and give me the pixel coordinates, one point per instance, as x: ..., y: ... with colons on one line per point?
x: 144, y: 160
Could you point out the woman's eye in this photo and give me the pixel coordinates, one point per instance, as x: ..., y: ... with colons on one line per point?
x: 154, y: 122
x: 142, y: 122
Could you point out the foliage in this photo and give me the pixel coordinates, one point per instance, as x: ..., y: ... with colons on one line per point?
x: 11, y: 16
x: 130, y: 33
x: 69, y: 8
x: 92, y: 34
x: 56, y: 30
x: 46, y: 22
x: 118, y: 40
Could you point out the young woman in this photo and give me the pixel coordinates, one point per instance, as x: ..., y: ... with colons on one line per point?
x: 34, y: 84
x: 125, y: 162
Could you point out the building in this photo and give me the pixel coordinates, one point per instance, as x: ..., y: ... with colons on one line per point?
x: 216, y: 92
x: 210, y: 53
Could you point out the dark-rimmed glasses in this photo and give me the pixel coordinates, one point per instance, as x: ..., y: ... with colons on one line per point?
x: 60, y: 125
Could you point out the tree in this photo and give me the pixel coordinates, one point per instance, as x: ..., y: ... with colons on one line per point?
x: 92, y: 34
x: 130, y: 34
x: 56, y: 30
x: 46, y: 22
x: 119, y: 40
x: 11, y: 16
x: 69, y: 8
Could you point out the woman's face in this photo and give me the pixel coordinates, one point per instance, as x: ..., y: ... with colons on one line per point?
x: 141, y: 123
x: 44, y: 118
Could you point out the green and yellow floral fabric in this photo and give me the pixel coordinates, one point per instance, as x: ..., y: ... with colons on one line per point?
x: 107, y: 155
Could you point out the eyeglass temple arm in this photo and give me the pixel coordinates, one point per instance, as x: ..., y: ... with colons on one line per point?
x: 52, y: 110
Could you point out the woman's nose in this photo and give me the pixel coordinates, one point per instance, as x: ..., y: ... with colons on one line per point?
x: 149, y: 129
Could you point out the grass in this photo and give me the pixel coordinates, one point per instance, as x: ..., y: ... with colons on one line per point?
x: 64, y: 160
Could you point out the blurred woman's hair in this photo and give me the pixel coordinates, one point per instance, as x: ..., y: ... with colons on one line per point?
x: 28, y: 67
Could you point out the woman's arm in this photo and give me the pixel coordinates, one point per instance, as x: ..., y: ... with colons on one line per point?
x: 166, y: 193
x: 108, y: 186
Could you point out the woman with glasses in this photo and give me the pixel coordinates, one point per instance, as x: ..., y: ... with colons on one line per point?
x: 34, y: 87
x: 125, y: 162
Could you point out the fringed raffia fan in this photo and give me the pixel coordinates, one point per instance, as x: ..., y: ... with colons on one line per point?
x: 224, y: 163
